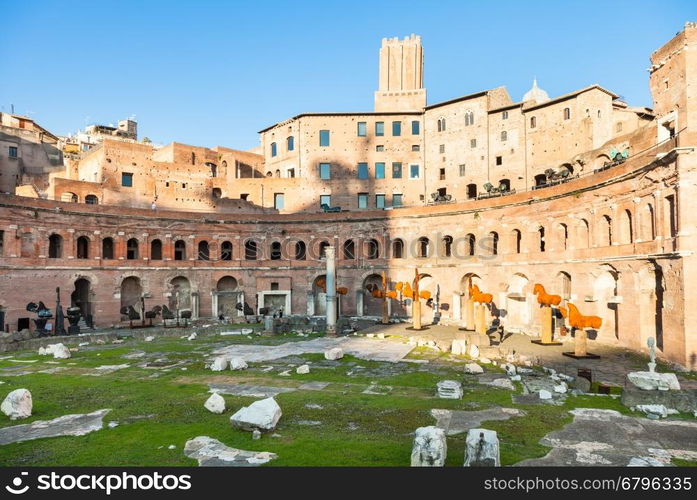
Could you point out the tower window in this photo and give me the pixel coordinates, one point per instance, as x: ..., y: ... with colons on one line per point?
x: 324, y: 138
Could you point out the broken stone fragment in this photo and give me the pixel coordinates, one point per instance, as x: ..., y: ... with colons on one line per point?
x: 17, y: 404
x: 238, y: 363
x: 334, y: 354
x: 430, y: 447
x: 302, y: 370
x: 473, y: 368
x: 263, y: 415
x: 482, y: 449
x: 215, y: 404
x: 219, y: 364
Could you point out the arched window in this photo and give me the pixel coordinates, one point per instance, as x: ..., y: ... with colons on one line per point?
x: 180, y: 250
x: 607, y: 230
x: 471, y: 242
x: 250, y: 250
x: 583, y: 234
x: 55, y: 246
x: 533, y: 122
x: 193, y: 158
x: 627, y: 227
x: 214, y: 168
x: 567, y: 113
x: 132, y: 249
x: 226, y: 250
x: 504, y: 185
x: 156, y: 250
x: 398, y: 249
x: 273, y: 149
x: 469, y: 118
x: 564, y: 280
x: 441, y: 124
x: 504, y: 136
x: 422, y: 249
x: 349, y: 250
x: 541, y: 238
x: 204, y: 252
x: 447, y: 246
x: 323, y: 250
x: 564, y: 236
x: 290, y: 143
x: 300, y: 250
x: 278, y: 173
x: 494, y: 237
x: 372, y: 249
x: 471, y: 191
x: 517, y: 238
x: 540, y: 180
x: 107, y: 248
x: 83, y: 247
x: 91, y: 199
x: 276, y: 250
x: 650, y: 229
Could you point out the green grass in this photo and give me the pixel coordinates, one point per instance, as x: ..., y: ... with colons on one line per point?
x: 357, y: 429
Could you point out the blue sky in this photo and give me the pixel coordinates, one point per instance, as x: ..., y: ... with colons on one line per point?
x: 214, y: 73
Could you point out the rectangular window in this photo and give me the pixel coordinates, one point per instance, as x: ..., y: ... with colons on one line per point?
x: 396, y: 129
x: 473, y: 143
x: 379, y: 148
x: 442, y: 174
x: 126, y: 179
x: 462, y: 170
x: 12, y: 152
x: 504, y: 115
x: 441, y: 148
x: 325, y: 171
x: 290, y: 143
x: 362, y: 200
x: 273, y: 149
x: 291, y: 173
x: 414, y: 171
x: 325, y: 199
x: 380, y: 170
x: 362, y: 129
x: 379, y: 128
x: 415, y: 128
x: 278, y: 201
x: 324, y: 138
x: 397, y: 170
x: 396, y: 200
x: 416, y: 147
x: 499, y: 160
x: 362, y: 170
x: 379, y: 201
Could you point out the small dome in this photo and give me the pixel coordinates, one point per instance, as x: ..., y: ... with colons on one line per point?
x: 536, y: 94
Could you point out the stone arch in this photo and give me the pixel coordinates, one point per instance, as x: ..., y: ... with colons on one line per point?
x: 563, y: 285
x: 651, y: 304
x: 605, y: 287
x: 180, y: 293
x: 319, y: 295
x: 228, y: 295
x: 516, y: 241
x: 398, y: 248
x: 81, y: 296
x: 131, y: 293
x: 626, y: 227
x: 371, y: 305
x: 55, y: 246
x: 648, y: 223
x: 518, y: 303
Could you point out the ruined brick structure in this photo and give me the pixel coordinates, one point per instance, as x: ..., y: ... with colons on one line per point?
x: 582, y: 193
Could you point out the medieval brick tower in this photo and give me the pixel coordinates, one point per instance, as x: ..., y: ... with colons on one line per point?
x: 401, y: 75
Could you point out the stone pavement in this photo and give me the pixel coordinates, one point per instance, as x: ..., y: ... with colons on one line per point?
x: 456, y: 421
x: 606, y: 437
x: 67, y: 425
x: 364, y: 348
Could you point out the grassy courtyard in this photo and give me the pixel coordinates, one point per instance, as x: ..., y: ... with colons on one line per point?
x: 158, y: 399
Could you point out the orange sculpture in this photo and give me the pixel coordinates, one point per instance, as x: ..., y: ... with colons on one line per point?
x: 478, y: 296
x: 545, y: 298
x: 577, y: 320
x: 322, y: 285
